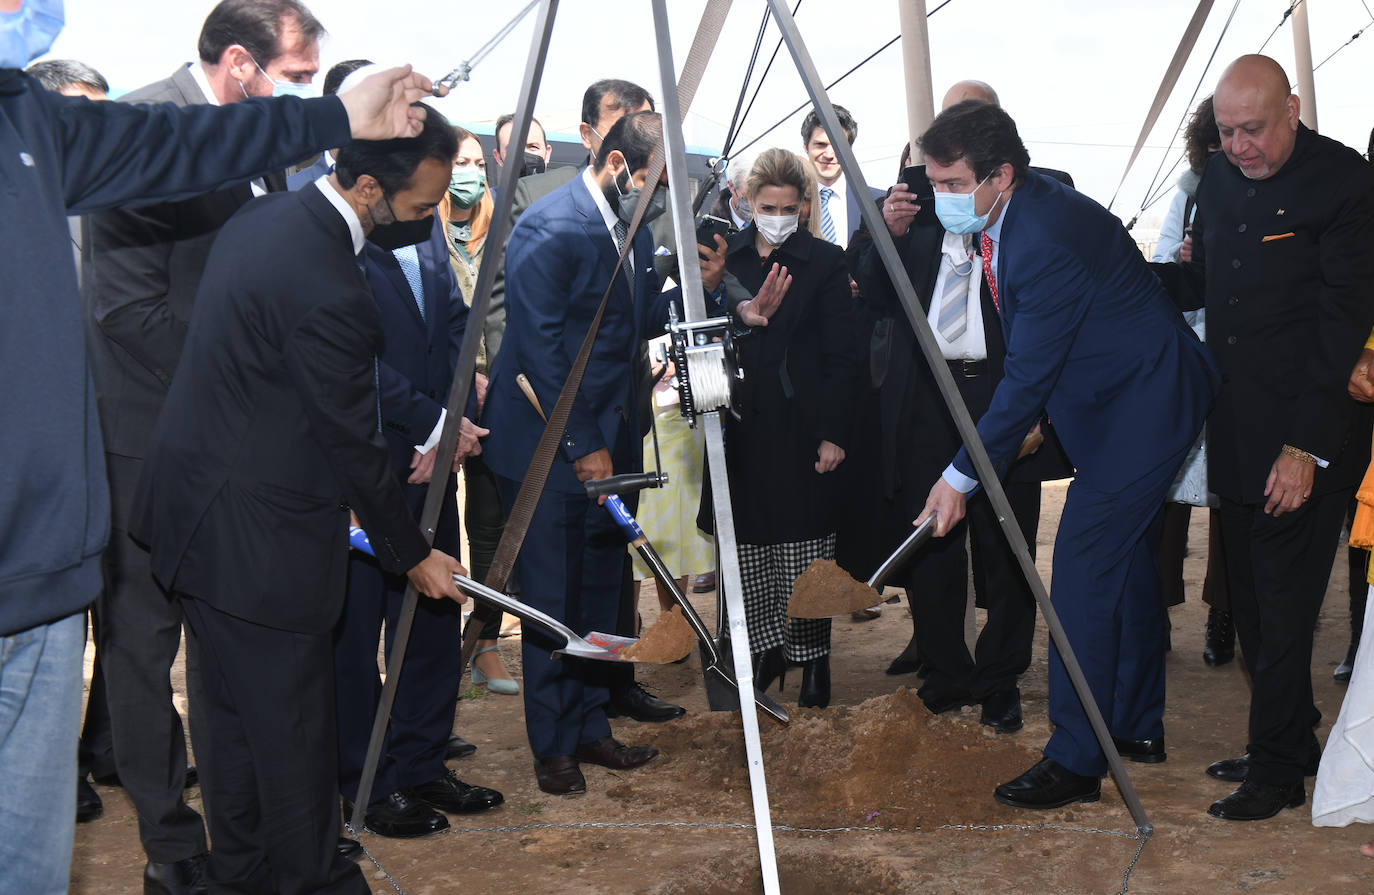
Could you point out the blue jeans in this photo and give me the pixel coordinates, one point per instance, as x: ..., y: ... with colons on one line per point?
x: 40, y: 722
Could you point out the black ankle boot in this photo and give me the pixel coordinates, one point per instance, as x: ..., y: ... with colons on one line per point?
x: 770, y: 665
x: 1220, y: 645
x: 815, y: 686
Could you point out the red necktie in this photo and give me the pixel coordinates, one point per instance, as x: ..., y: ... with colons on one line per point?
x: 986, y: 246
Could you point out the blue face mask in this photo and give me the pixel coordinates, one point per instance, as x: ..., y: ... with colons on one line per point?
x: 956, y: 211
x: 28, y: 33
x: 284, y: 88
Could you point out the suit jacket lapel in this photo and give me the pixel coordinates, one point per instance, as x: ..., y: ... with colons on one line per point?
x: 595, y: 226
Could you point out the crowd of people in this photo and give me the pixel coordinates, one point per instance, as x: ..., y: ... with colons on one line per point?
x: 240, y: 308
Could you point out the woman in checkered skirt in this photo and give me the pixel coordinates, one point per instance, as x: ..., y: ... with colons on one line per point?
x: 796, y: 397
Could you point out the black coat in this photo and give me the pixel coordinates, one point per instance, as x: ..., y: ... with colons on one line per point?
x: 271, y: 427
x: 1287, y: 315
x: 798, y: 390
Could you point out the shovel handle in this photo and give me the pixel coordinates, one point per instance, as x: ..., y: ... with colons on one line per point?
x: 618, y: 484
x: 913, y: 542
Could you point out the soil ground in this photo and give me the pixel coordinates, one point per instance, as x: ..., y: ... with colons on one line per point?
x: 873, y: 795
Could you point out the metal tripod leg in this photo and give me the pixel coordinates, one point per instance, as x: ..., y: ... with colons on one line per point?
x: 987, y: 476
x: 457, y: 398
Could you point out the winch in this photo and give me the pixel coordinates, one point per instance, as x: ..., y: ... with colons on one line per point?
x: 707, y: 368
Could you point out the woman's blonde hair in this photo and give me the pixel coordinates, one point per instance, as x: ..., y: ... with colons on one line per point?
x: 482, y: 212
x: 781, y: 167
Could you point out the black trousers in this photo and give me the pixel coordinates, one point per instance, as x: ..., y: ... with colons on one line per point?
x: 267, y: 759
x: 95, y: 750
x: 936, y: 582
x: 1173, y: 543
x: 485, y: 522
x: 138, y: 633
x: 1279, y: 568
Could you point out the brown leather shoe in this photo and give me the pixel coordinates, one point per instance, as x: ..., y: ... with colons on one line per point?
x: 610, y: 753
x: 559, y: 775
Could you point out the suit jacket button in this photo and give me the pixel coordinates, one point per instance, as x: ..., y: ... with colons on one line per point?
x: 1240, y: 229
x: 1250, y: 192
x: 1235, y: 263
x: 1230, y: 340
x: 343, y: 506
x: 1233, y: 301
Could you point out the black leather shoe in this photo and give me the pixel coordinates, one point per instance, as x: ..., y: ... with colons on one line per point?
x: 903, y: 665
x: 611, y: 753
x: 1002, y: 711
x: 941, y: 702
x: 184, y: 877
x: 1258, y: 801
x: 400, y: 816
x: 1220, y: 644
x: 1048, y: 785
x: 1343, y: 671
x: 1235, y: 770
x: 448, y: 793
x: 1144, y: 751
x: 458, y: 748
x: 108, y: 778
x: 88, y: 804
x: 770, y: 665
x: 641, y: 705
x: 559, y: 775
x: 349, y: 849
x: 815, y: 686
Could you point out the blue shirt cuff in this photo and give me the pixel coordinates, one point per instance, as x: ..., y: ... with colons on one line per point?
x: 957, y: 480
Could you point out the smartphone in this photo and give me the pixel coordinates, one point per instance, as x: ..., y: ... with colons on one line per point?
x: 916, y: 180
x: 709, y: 227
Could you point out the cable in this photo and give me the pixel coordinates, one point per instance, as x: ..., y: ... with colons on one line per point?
x: 500, y: 35
x: 733, y: 131
x: 1353, y: 37
x: 759, y: 87
x: 831, y: 85
x: 1286, y: 13
x: 1187, y: 110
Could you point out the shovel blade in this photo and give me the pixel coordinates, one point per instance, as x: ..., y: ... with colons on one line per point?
x: 598, y: 646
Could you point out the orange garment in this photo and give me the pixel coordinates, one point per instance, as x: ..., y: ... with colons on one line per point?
x: 1362, y: 529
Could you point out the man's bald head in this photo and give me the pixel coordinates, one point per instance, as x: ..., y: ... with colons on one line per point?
x: 963, y: 90
x: 1257, y: 116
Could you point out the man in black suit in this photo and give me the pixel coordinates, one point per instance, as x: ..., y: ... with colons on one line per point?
x: 271, y: 433
x: 1282, y: 260
x: 919, y: 436
x: 146, y: 267
x: 423, y: 319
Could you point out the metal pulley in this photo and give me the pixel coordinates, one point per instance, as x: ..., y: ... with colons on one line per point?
x: 703, y: 353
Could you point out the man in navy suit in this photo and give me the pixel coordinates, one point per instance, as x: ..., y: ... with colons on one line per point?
x: 561, y: 258
x: 423, y: 319
x: 1093, y: 340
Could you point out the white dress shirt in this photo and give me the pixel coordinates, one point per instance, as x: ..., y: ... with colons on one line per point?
x: 839, y: 209
x: 971, y: 344
x: 608, y: 215
x: 257, y: 184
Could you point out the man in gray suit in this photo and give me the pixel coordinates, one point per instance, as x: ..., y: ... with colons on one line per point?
x: 146, y: 267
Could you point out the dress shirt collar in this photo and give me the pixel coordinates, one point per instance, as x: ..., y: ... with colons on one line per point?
x: 957, y: 246
x: 840, y: 188
x: 198, y: 74
x: 995, y: 231
x: 608, y: 215
x: 355, y: 226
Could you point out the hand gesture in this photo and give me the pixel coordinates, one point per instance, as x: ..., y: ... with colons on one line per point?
x: 947, y: 504
x: 899, y: 209
x: 380, y: 107
x: 828, y: 456
x: 596, y: 465
x: 757, y: 310
x: 712, y: 263
x: 422, y: 467
x: 1289, y: 484
x: 468, y: 443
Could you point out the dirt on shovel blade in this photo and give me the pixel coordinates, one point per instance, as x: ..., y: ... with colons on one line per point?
x: 826, y: 590
x: 667, y: 640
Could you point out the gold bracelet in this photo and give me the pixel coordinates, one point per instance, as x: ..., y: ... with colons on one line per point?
x: 1299, y: 453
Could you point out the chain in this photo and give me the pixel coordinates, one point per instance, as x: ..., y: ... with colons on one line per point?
x: 1142, y: 836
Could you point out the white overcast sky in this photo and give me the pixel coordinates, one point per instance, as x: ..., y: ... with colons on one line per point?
x: 1078, y: 75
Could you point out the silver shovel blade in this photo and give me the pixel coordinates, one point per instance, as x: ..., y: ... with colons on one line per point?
x: 602, y: 647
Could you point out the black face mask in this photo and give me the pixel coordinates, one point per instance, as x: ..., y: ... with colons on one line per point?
x: 533, y: 164
x: 399, y: 234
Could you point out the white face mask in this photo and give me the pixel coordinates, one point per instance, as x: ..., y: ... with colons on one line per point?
x: 776, y: 227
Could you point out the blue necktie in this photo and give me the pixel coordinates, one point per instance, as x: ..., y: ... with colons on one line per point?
x: 409, y: 259
x: 827, y: 222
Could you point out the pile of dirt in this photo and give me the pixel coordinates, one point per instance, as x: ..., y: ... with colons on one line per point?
x: 887, y: 762
x: 667, y: 640
x: 826, y: 590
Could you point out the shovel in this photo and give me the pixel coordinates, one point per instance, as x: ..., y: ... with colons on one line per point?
x: 818, y: 604
x: 602, y: 647
x: 714, y: 667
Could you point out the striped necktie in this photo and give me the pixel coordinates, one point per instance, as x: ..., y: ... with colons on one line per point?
x: 827, y: 222
x: 408, y: 257
x: 953, y: 319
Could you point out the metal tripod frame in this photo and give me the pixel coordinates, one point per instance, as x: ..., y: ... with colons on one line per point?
x: 987, y: 475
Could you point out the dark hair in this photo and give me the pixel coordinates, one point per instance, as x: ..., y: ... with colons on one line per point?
x: 981, y: 134
x: 628, y: 96
x: 334, y: 78
x: 58, y: 74
x: 255, y: 25
x: 634, y: 136
x: 813, y: 121
x: 1200, y: 137
x: 393, y: 162
x: 509, y: 118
